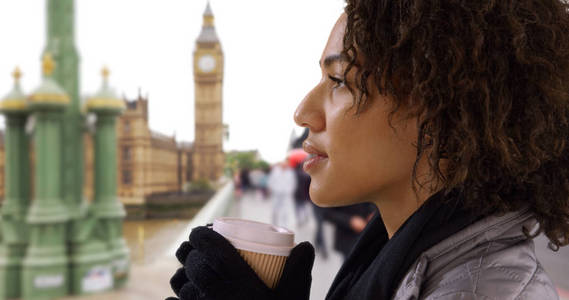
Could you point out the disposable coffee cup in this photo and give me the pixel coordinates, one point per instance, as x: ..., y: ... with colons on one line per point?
x: 264, y: 247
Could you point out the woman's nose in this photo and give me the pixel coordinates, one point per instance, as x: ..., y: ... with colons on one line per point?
x: 310, y: 113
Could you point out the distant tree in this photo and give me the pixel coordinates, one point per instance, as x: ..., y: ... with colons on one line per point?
x: 261, y: 164
x: 200, y: 185
x: 243, y: 160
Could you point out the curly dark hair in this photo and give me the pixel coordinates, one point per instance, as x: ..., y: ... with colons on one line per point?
x: 489, y: 81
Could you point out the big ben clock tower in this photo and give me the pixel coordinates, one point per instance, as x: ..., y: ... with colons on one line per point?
x: 208, y: 157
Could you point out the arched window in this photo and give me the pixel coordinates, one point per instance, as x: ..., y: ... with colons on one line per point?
x: 126, y: 153
x: 126, y: 126
x: 126, y: 177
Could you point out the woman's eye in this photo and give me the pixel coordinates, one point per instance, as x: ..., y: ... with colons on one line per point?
x: 338, y: 82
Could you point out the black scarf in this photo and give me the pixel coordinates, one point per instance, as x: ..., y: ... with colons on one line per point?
x: 377, y: 264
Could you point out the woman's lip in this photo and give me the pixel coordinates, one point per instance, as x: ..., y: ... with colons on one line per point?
x: 313, y: 161
x: 311, y: 149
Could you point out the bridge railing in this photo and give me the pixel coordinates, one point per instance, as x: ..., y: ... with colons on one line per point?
x: 217, y: 206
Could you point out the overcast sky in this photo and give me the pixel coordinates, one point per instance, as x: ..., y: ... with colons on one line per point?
x: 271, y: 47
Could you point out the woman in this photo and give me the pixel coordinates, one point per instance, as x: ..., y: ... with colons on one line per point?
x: 451, y: 116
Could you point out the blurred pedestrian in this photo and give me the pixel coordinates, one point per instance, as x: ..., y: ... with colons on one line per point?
x: 281, y: 184
x: 264, y: 182
x: 244, y: 179
x: 319, y: 239
x: 296, y: 159
x: 349, y: 221
x: 256, y: 178
x: 237, y: 184
x: 301, y: 196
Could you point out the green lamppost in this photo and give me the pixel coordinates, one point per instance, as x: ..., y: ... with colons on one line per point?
x: 17, y: 182
x: 45, y: 267
x: 60, y: 43
x: 110, y: 211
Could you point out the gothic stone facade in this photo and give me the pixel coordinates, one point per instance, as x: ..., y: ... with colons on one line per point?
x: 148, y: 162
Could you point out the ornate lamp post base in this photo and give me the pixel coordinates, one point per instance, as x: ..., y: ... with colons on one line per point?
x: 91, y: 268
x: 120, y: 253
x: 11, y: 257
x: 45, y: 272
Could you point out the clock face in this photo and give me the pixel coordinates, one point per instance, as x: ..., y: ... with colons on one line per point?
x: 206, y: 63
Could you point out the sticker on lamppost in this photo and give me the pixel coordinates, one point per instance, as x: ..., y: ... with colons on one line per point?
x: 97, y: 279
x: 48, y: 281
x: 121, y: 268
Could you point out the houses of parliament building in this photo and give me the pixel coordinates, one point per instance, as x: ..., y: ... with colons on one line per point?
x: 150, y: 162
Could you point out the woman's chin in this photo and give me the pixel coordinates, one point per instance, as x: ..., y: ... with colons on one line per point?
x: 319, y: 199
x: 325, y: 199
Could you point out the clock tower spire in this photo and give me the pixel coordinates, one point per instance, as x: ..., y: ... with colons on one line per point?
x: 208, y: 157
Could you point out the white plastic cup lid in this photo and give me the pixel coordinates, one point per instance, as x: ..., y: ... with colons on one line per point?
x: 255, y: 236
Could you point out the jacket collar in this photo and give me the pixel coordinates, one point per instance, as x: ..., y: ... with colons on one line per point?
x: 507, y: 227
x: 377, y: 264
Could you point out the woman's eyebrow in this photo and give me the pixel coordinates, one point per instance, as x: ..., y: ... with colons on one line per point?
x: 330, y: 59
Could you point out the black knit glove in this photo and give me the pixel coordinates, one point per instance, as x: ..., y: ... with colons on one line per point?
x: 214, y: 270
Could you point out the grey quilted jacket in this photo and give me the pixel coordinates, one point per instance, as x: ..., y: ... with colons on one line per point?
x: 490, y: 259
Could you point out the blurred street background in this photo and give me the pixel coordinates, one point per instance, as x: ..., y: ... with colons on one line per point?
x: 124, y: 124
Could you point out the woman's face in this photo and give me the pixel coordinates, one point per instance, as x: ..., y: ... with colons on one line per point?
x: 361, y: 157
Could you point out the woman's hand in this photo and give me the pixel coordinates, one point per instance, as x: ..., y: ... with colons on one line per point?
x: 213, y: 269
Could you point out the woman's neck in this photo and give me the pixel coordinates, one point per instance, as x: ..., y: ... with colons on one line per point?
x: 398, y: 204
x: 396, y: 210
